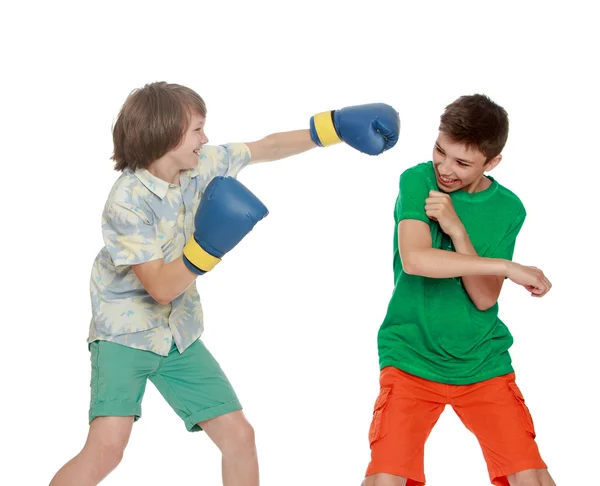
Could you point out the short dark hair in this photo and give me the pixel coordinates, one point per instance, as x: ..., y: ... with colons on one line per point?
x: 477, y: 122
x: 151, y: 122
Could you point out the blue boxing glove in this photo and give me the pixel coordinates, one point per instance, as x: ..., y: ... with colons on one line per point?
x: 370, y: 129
x: 226, y: 214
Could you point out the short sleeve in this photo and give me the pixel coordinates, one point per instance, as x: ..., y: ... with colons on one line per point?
x: 130, y: 236
x: 223, y: 160
x: 410, y: 203
x: 505, y: 249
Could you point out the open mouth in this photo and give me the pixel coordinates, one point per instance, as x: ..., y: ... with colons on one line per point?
x: 447, y: 182
x: 198, y: 151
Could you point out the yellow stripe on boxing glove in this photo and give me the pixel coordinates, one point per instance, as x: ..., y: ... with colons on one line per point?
x: 323, y: 128
x: 199, y: 257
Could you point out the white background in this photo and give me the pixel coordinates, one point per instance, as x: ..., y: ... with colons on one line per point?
x: 292, y: 313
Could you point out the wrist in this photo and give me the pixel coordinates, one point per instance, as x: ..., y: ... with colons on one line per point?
x: 323, y: 130
x: 197, y: 259
x: 507, y: 267
x: 459, y: 234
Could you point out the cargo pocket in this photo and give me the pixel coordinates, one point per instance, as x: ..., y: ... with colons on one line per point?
x: 378, y: 427
x: 524, y: 410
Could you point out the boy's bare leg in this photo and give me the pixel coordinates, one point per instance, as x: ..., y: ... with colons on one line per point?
x: 384, y: 479
x: 101, y: 454
x: 531, y: 477
x: 234, y: 437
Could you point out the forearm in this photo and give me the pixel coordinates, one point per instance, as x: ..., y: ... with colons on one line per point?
x: 482, y: 289
x: 169, y: 280
x: 281, y: 145
x: 434, y: 263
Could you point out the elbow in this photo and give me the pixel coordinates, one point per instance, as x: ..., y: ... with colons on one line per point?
x: 409, y: 268
x: 410, y: 263
x: 484, y: 304
x: 487, y: 300
x: 163, y: 300
x: 161, y: 296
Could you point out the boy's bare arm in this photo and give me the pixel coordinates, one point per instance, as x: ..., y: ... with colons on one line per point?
x: 280, y: 145
x: 371, y: 129
x: 419, y: 258
x: 164, y: 281
x: 483, y: 290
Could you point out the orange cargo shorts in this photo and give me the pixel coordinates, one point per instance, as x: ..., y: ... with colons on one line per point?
x: 408, y: 407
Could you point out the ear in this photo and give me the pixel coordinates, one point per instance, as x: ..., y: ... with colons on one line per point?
x: 492, y: 163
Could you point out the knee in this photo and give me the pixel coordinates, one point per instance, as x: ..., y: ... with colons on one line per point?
x: 112, y: 454
x: 241, y: 441
x: 108, y: 453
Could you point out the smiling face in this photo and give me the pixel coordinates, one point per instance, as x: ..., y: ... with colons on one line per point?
x: 159, y: 122
x: 459, y: 167
x: 185, y: 155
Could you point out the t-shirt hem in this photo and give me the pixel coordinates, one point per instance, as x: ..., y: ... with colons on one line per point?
x: 448, y: 380
x: 414, y: 215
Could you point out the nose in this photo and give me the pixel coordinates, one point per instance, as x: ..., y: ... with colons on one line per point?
x: 444, y: 167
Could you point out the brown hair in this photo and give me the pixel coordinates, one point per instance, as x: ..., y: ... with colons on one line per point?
x: 152, y: 121
x: 477, y: 122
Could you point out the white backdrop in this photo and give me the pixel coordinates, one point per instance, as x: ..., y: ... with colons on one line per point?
x: 310, y: 285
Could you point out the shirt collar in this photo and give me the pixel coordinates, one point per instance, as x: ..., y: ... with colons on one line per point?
x: 154, y: 184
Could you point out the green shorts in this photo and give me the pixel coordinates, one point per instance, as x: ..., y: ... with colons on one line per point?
x: 192, y: 382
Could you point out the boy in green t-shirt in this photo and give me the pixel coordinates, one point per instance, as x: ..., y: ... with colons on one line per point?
x: 442, y: 341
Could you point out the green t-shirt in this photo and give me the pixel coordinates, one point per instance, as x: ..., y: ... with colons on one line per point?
x: 432, y: 329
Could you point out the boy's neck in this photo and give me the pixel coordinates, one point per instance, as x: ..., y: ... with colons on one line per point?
x: 481, y: 185
x: 168, y: 174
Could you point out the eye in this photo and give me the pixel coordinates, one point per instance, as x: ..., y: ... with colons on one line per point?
x: 462, y: 164
x: 439, y: 150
